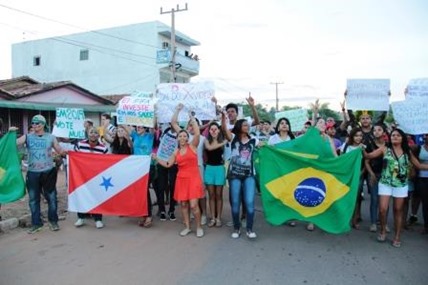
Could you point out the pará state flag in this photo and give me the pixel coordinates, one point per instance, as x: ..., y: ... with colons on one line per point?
x: 309, y: 187
x: 108, y: 184
x: 12, y: 185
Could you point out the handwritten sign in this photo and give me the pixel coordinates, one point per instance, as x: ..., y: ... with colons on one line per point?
x: 297, y: 117
x: 69, y: 123
x: 411, y: 115
x: 196, y: 98
x: 417, y: 88
x: 368, y: 94
x: 136, y: 110
x: 167, y: 145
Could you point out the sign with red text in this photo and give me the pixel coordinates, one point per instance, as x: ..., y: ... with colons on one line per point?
x: 136, y: 110
x: 368, y: 94
x: 69, y: 123
x: 196, y: 98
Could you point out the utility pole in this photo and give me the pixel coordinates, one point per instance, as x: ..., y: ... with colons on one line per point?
x: 276, y: 87
x: 173, y: 48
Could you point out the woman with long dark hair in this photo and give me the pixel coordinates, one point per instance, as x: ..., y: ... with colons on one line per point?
x: 214, y: 175
x: 241, y: 174
x: 282, y: 132
x: 394, y: 180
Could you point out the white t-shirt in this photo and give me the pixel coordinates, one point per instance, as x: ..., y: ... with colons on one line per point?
x: 275, y: 139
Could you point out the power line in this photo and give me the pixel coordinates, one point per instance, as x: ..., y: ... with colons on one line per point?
x: 74, y: 26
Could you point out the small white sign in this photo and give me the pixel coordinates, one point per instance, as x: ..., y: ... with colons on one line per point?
x: 368, y: 94
x: 417, y: 88
x: 297, y: 118
x: 411, y: 115
x: 69, y: 123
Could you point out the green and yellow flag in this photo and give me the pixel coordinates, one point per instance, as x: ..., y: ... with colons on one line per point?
x: 297, y: 182
x: 12, y: 186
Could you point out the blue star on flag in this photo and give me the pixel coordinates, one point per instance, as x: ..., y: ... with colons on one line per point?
x: 106, y: 183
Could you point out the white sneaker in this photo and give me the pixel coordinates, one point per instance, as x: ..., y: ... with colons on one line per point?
x: 79, y: 223
x: 251, y: 234
x: 199, y: 232
x: 185, y: 232
x: 99, y: 224
x: 236, y: 234
x: 203, y: 220
x: 373, y: 228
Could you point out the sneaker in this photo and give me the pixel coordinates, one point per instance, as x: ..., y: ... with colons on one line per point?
x: 34, y: 229
x: 387, y: 229
x: 373, y: 228
x: 251, y: 234
x: 203, y: 220
x: 79, y: 222
x: 310, y: 227
x: 199, y: 232
x: 54, y: 226
x: 99, y: 225
x: 236, y: 234
x: 185, y: 232
x: 172, y: 216
x: 218, y: 223
x: 211, y: 223
x: 162, y: 216
x: 229, y: 224
x: 291, y: 224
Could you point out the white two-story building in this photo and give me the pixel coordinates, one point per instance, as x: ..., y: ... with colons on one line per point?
x: 117, y: 60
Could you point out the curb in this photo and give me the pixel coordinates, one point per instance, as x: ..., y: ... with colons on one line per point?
x: 24, y: 221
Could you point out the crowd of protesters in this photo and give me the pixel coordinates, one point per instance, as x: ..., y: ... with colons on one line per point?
x: 212, y: 154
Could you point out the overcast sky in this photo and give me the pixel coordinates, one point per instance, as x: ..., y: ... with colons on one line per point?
x: 311, y: 46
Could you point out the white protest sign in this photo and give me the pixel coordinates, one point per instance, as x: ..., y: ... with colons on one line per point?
x: 69, y: 123
x: 411, y: 115
x: 196, y: 98
x: 417, y: 88
x: 297, y: 117
x: 368, y: 94
x: 136, y: 110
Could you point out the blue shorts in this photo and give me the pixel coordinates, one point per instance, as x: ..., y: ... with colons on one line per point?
x: 215, y: 175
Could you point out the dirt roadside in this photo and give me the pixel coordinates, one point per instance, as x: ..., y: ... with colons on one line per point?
x: 21, y: 210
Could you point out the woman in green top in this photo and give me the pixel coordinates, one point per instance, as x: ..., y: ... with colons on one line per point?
x: 394, y: 180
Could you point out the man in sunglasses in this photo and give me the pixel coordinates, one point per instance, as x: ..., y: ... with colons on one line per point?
x: 41, y: 174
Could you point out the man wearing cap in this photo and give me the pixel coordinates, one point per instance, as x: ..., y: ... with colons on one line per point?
x: 41, y: 174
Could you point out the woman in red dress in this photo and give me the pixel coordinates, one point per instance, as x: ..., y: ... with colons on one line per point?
x: 188, y: 186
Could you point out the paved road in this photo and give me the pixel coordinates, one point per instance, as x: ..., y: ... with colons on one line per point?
x: 123, y: 253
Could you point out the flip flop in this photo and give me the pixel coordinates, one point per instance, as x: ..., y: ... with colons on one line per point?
x: 148, y: 223
x: 381, y: 238
x: 396, y: 243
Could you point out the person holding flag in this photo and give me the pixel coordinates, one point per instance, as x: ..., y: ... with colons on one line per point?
x: 42, y: 173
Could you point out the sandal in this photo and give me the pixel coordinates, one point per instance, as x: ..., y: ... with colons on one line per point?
x: 218, y: 223
x: 381, y: 238
x: 211, y: 223
x: 148, y: 222
x: 396, y: 243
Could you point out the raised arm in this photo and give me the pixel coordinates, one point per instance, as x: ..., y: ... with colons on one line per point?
x: 174, y: 119
x: 196, y: 132
x: 226, y: 131
x: 256, y: 119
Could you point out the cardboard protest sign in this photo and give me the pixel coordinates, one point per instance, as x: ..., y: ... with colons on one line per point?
x: 136, y: 110
x: 417, y: 88
x: 297, y: 117
x: 69, y: 123
x: 368, y: 94
x: 411, y: 116
x: 196, y: 98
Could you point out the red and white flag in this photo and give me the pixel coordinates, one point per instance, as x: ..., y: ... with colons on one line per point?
x: 108, y: 184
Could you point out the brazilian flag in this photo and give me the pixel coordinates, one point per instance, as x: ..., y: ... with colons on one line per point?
x: 12, y: 185
x: 297, y: 182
